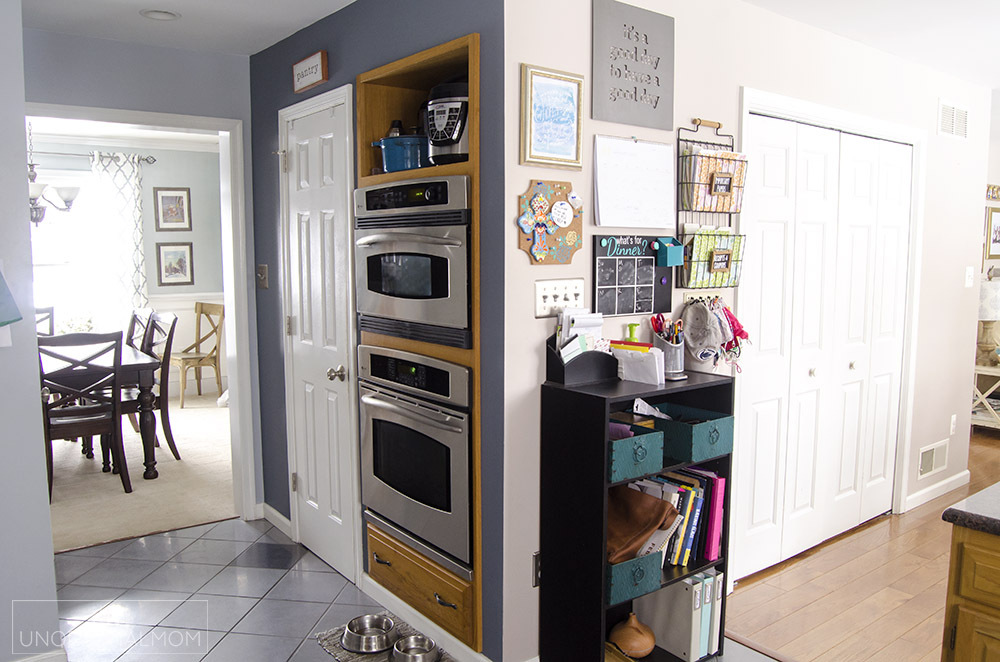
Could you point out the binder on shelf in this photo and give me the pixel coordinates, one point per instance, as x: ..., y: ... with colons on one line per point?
x: 707, y: 600
x: 674, y: 615
x: 719, y: 590
x: 713, y: 525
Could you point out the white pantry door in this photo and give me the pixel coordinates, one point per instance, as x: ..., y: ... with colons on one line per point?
x: 319, y: 360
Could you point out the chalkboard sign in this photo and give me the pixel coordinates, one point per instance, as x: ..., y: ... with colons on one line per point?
x: 633, y: 65
x: 626, y: 278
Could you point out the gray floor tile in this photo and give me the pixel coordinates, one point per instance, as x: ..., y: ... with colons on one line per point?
x: 276, y: 536
x: 119, y: 573
x: 281, y: 618
x: 66, y: 626
x: 210, y: 612
x: 102, y: 551
x: 189, y: 532
x: 172, y: 645
x: 140, y: 607
x: 69, y: 568
x: 152, y: 548
x: 352, y: 595
x: 82, y: 602
x: 244, y: 582
x: 312, y: 563
x: 180, y: 577
x: 252, y: 648
x: 737, y: 652
x: 235, y: 529
x: 309, y: 586
x: 311, y: 651
x: 100, y: 642
x: 269, y: 555
x: 338, y: 615
x: 215, y: 552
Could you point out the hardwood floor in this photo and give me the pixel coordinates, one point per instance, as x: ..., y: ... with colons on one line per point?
x: 876, y: 593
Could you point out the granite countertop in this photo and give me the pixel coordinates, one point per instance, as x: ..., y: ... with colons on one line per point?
x: 980, y: 512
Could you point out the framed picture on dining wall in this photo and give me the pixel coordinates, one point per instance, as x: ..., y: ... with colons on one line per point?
x: 550, y: 117
x: 174, y: 264
x: 173, y: 208
x: 992, y: 233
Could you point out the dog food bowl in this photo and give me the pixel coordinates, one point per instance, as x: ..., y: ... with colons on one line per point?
x: 369, y: 634
x: 415, y: 648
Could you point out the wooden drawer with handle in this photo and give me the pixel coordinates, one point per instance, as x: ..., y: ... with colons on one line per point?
x: 435, y: 592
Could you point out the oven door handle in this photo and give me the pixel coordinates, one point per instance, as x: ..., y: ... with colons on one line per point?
x: 373, y: 401
x: 395, y: 237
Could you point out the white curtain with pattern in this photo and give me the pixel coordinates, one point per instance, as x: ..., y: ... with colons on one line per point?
x: 119, y: 181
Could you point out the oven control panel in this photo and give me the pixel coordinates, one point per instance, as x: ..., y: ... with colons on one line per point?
x: 407, y: 196
x: 414, y: 373
x: 431, y: 195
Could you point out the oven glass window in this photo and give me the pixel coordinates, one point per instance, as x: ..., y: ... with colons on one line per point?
x: 408, y: 275
x: 413, y: 464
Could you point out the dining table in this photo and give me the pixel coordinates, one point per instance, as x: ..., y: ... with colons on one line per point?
x: 138, y: 368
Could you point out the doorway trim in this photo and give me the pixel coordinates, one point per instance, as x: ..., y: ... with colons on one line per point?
x: 244, y: 427
x: 753, y: 101
x: 344, y: 95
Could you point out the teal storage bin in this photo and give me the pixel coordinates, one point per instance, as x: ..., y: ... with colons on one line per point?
x: 635, y: 456
x: 694, y: 434
x: 631, y: 579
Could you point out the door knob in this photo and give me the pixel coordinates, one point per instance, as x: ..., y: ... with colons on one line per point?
x: 340, y: 373
x: 850, y: 366
x: 812, y: 372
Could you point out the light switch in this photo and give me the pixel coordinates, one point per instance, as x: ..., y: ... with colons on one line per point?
x: 553, y: 294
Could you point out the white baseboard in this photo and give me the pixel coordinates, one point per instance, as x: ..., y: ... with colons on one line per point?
x: 51, y: 656
x: 280, y: 522
x: 936, y: 490
x: 455, y: 648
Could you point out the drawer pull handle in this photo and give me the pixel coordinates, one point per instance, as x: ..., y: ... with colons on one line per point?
x: 639, y: 452
x: 441, y: 602
x: 381, y: 561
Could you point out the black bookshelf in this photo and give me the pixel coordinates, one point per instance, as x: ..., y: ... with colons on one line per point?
x: 574, y: 619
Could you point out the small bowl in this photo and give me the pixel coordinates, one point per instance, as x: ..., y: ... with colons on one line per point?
x: 372, y: 633
x: 415, y: 648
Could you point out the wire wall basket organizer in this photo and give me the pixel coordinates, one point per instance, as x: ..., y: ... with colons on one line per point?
x: 712, y: 260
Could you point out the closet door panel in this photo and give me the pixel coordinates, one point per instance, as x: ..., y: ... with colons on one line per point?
x: 809, y: 491
x: 891, y: 248
x: 764, y: 304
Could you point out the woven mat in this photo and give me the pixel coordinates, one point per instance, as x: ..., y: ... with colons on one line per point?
x: 330, y: 641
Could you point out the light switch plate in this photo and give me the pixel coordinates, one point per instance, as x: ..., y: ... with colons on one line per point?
x: 553, y: 294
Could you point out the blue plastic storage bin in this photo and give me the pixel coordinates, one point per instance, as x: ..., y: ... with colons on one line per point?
x: 403, y: 152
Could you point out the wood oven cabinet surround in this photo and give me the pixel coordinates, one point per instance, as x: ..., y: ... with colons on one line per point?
x: 390, y: 92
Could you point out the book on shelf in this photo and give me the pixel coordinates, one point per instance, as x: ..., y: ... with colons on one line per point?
x: 713, y: 526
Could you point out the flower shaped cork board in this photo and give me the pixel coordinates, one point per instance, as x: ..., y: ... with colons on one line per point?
x: 550, y: 222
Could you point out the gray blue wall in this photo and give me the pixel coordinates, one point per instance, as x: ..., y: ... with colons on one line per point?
x: 26, y: 572
x: 362, y: 36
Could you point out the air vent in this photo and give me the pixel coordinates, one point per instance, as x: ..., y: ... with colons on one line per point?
x: 933, y: 458
x: 952, y: 120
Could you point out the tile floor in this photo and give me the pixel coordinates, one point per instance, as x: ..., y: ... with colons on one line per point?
x: 228, y: 592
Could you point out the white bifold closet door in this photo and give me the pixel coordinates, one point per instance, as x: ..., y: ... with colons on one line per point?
x: 823, y: 296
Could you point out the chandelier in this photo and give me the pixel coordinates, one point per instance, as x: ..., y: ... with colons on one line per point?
x: 38, y: 192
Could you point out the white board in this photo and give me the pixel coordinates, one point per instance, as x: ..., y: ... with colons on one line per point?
x: 634, y: 184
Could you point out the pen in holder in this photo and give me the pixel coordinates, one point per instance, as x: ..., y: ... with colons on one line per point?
x: 673, y: 358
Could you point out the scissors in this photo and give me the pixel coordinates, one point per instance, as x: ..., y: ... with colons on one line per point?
x: 658, y: 323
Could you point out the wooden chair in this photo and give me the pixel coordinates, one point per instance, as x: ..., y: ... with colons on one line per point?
x: 45, y: 321
x: 204, y: 351
x: 137, y: 327
x: 81, y: 393
x: 158, y: 340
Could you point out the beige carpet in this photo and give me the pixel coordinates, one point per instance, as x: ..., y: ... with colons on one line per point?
x: 90, y: 507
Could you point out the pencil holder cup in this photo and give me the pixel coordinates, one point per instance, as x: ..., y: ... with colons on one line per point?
x: 673, y: 358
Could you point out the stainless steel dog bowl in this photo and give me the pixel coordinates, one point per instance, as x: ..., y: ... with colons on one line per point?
x: 415, y: 648
x: 369, y: 634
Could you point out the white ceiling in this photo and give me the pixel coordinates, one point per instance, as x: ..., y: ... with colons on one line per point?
x: 956, y: 36
x: 230, y: 26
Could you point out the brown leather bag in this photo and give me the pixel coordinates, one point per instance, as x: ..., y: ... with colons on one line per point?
x: 632, y: 518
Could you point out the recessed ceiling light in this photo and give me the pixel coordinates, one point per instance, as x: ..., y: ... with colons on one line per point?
x: 160, y: 14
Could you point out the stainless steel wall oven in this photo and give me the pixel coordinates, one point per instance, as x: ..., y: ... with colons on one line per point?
x: 412, y: 259
x: 415, y: 459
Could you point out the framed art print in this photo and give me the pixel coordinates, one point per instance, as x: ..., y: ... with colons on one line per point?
x: 173, y: 208
x: 174, y: 265
x: 550, y: 117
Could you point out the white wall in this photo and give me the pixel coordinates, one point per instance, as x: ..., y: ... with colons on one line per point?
x: 26, y: 572
x: 770, y: 53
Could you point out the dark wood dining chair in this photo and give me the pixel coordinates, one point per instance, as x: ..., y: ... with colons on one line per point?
x: 81, y: 393
x: 204, y: 351
x: 45, y: 321
x: 157, y: 342
x: 137, y: 325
